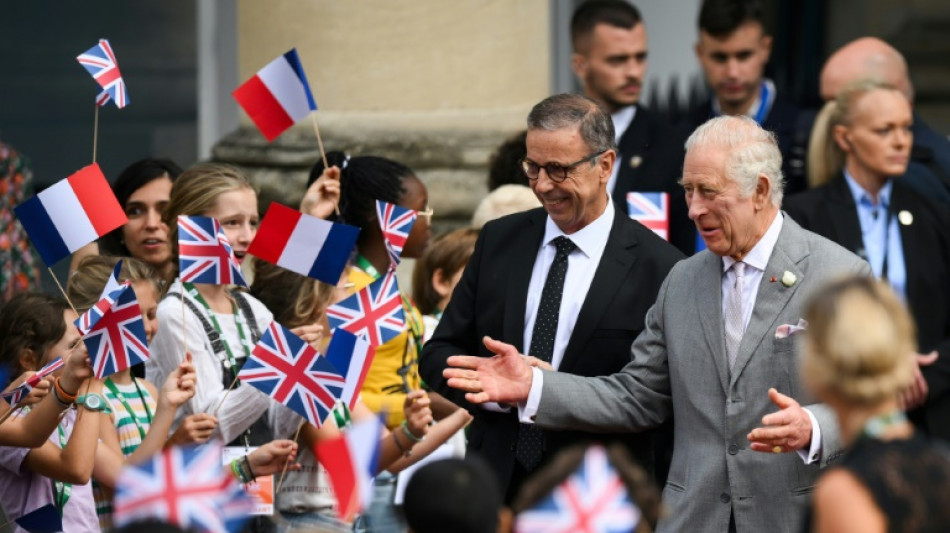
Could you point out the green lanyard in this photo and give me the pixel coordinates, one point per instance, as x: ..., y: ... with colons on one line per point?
x: 416, y: 328
x: 121, y: 397
x: 217, y: 327
x: 61, y: 491
x: 341, y: 415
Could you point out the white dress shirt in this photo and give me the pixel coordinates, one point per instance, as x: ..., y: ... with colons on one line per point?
x: 581, y: 265
x: 756, y: 261
x: 622, y: 120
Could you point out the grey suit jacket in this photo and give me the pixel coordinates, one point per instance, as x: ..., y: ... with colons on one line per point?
x: 679, y: 366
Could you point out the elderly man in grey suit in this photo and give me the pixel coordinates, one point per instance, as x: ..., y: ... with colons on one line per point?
x: 717, y: 351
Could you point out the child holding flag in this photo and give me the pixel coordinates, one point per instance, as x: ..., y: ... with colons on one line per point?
x: 141, y: 418
x: 36, y: 329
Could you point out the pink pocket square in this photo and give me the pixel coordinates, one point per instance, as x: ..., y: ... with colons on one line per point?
x: 787, y: 330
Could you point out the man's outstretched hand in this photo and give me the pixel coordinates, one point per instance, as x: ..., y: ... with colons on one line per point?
x: 786, y: 430
x: 504, y: 378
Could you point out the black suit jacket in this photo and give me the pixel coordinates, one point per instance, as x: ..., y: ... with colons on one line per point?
x: 650, y: 159
x: 830, y: 211
x: 789, y: 125
x: 490, y: 299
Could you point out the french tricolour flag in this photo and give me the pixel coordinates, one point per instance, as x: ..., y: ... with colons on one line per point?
x: 352, y: 356
x: 303, y: 243
x: 70, y: 214
x: 277, y: 96
x: 350, y: 461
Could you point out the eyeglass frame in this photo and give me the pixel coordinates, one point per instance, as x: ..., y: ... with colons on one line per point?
x: 566, y: 169
x: 428, y: 213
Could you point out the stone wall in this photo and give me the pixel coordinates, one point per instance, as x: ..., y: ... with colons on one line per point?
x: 435, y: 85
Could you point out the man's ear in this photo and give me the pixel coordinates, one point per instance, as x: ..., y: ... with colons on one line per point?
x: 606, y: 163
x: 766, y: 43
x: 763, y: 191
x: 579, y: 66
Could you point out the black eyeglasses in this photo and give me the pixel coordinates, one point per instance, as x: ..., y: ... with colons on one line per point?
x: 555, y: 171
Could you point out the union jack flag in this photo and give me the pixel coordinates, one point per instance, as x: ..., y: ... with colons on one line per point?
x: 116, y: 340
x: 14, y: 396
x: 652, y: 209
x: 396, y: 223
x: 592, y: 500
x: 101, y: 63
x: 289, y: 370
x: 375, y: 311
x: 185, y: 486
x: 204, y: 253
x: 108, y: 297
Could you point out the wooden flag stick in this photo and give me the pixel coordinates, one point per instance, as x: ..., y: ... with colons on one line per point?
x: 287, y: 463
x: 95, y: 133
x: 323, y: 154
x: 234, y: 382
x: 61, y: 290
x: 316, y: 129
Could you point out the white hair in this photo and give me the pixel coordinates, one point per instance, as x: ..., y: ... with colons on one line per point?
x: 752, y: 151
x: 504, y: 200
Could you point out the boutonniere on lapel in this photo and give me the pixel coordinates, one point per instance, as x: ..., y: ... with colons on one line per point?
x: 788, y: 279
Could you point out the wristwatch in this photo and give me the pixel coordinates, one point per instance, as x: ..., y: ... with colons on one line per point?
x: 93, y: 402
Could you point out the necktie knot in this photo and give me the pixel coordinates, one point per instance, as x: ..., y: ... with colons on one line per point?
x: 739, y: 269
x: 564, y: 246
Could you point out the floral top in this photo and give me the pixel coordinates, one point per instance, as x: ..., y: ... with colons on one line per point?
x: 19, y: 266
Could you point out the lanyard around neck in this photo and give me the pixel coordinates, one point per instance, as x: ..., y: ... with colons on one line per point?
x: 128, y: 408
x: 61, y: 490
x: 217, y: 327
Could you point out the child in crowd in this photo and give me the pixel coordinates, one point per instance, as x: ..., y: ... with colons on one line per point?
x: 438, y: 272
x: 140, y: 418
x: 220, y: 325
x: 305, y: 497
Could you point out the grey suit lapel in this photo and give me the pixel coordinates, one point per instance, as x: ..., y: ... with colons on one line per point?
x: 773, y: 297
x: 709, y: 303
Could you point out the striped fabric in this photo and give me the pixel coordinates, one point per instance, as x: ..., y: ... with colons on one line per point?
x: 129, y: 437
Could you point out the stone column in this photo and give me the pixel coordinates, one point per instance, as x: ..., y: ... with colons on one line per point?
x: 435, y: 85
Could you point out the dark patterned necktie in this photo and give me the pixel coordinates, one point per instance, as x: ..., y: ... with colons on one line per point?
x: 530, y: 439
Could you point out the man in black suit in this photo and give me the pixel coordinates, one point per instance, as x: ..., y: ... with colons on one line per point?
x: 733, y: 49
x: 610, y: 62
x: 569, y: 284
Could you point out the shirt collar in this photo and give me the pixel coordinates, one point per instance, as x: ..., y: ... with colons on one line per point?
x: 587, y: 239
x: 863, y: 198
x: 753, y: 110
x: 758, y: 256
x: 622, y: 120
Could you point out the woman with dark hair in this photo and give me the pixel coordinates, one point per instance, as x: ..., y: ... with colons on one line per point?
x: 143, y: 190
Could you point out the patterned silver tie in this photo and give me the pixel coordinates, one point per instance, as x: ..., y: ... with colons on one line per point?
x: 734, y: 324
